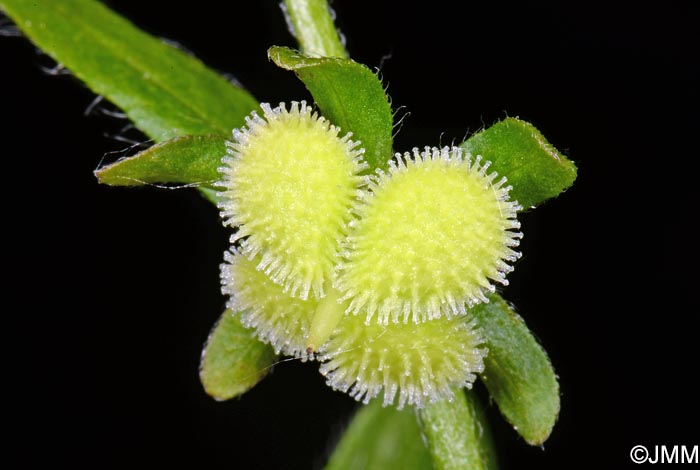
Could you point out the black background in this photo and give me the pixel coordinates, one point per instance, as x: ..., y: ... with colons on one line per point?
x: 112, y: 291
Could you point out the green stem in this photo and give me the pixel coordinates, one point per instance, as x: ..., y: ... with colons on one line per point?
x: 457, y: 433
x: 314, y: 28
x: 381, y: 438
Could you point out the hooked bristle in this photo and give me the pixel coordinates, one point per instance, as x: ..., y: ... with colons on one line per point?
x: 288, y: 183
x: 409, y: 363
x: 432, y: 235
x: 278, y: 319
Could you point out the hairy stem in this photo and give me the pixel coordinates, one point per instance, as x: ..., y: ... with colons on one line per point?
x: 313, y: 28
x: 457, y: 434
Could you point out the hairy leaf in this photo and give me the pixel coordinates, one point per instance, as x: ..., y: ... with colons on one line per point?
x: 518, y: 151
x: 233, y: 360
x: 349, y: 95
x: 192, y: 159
x: 165, y: 91
x: 517, y: 371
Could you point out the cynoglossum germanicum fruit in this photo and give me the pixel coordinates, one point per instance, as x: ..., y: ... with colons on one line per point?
x: 288, y: 183
x: 413, y: 363
x: 277, y: 318
x: 430, y: 236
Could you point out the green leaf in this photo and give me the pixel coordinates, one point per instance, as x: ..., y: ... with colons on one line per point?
x: 192, y: 159
x: 164, y: 91
x: 211, y: 195
x: 381, y: 438
x: 313, y: 28
x: 458, y: 434
x: 233, y: 360
x: 518, y: 151
x: 517, y: 371
x: 349, y: 95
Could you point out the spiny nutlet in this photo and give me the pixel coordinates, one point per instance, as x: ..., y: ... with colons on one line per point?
x: 277, y: 318
x: 418, y: 363
x: 288, y: 183
x: 430, y: 236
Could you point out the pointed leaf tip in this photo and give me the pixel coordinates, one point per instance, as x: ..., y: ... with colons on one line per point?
x: 192, y: 159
